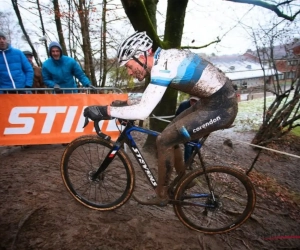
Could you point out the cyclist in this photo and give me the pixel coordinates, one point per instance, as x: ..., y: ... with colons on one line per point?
x: 184, y: 71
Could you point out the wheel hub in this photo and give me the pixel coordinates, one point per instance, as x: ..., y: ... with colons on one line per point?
x: 213, y: 204
x: 95, y: 180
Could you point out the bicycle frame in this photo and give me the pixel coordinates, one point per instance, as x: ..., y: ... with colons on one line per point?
x: 125, y: 137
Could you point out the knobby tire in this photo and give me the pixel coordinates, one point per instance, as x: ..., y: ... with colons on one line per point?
x: 235, y: 200
x: 81, y: 159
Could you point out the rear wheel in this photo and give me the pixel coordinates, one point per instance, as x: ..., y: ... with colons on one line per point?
x: 229, y: 205
x: 80, y: 161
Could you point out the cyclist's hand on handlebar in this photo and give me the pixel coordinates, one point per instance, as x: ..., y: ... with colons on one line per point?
x: 119, y: 103
x: 96, y: 113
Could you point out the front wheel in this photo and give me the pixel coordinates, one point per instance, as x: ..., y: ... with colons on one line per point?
x: 224, y: 207
x: 80, y: 160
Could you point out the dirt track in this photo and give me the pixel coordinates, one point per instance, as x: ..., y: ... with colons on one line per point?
x: 37, y: 212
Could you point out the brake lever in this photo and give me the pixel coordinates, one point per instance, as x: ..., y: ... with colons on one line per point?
x: 97, y: 128
x: 86, y: 122
x: 99, y: 133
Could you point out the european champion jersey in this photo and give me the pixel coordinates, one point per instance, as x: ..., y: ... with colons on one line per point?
x: 178, y: 69
x: 187, y: 72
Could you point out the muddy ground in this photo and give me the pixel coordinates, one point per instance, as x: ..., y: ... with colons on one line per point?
x: 37, y: 212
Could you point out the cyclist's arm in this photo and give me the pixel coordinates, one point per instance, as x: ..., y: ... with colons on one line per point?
x: 143, y: 109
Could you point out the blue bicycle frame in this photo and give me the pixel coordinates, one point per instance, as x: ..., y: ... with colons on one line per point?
x: 125, y: 137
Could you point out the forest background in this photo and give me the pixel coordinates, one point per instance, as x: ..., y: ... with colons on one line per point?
x: 92, y: 31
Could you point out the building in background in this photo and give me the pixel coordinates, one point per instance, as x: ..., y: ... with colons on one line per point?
x: 282, y: 57
x: 246, y: 73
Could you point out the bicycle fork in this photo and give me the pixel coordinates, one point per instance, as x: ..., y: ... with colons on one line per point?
x: 108, y: 159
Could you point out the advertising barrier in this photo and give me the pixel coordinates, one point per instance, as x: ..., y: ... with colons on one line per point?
x: 28, y: 119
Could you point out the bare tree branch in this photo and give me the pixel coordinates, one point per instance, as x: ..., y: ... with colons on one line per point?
x: 271, y: 7
x: 25, y: 33
x: 203, y: 46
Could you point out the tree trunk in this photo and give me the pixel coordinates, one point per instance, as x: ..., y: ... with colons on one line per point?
x: 83, y: 12
x: 59, y: 27
x: 172, y: 37
x: 103, y: 42
x: 43, y: 29
x: 151, y: 6
x: 70, y: 24
x: 140, y: 19
x: 18, y: 14
x: 175, y: 23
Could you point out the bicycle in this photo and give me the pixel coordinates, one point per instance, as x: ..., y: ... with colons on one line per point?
x: 99, y: 174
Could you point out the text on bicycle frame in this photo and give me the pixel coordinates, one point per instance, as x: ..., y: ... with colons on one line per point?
x: 144, y: 166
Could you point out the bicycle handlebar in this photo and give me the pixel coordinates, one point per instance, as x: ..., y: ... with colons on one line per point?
x: 97, y: 128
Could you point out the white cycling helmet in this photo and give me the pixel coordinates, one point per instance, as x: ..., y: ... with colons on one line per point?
x: 133, y: 46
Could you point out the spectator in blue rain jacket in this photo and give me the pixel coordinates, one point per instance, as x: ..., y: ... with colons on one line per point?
x: 59, y: 71
x: 15, y: 70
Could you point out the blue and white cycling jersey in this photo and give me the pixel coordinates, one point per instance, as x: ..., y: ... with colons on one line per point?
x: 187, y: 72
x: 178, y: 69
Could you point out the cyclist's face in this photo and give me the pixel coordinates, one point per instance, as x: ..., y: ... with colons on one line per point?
x: 136, y: 70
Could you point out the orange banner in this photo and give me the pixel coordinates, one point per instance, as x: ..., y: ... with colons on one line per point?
x: 28, y: 119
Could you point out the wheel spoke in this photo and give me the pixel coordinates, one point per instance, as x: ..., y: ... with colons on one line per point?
x: 111, y: 189
x: 233, y: 204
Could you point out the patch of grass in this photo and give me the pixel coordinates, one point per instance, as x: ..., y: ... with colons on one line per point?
x: 296, y: 131
x: 250, y: 115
